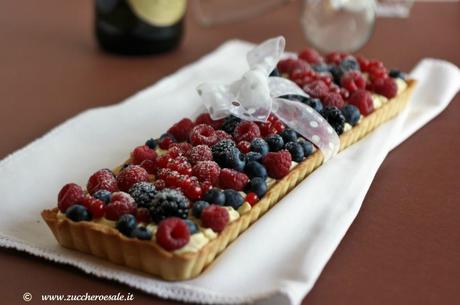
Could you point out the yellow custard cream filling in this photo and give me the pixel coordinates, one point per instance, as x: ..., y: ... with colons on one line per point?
x: 196, y: 242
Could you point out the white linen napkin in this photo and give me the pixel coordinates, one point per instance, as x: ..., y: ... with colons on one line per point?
x: 281, y: 255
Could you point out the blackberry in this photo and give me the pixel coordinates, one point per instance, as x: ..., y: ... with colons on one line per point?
x: 260, y: 146
x: 335, y: 118
x: 151, y: 143
x: 394, y: 73
x: 143, y: 193
x: 307, y: 147
x: 192, y: 227
x: 253, y: 156
x: 126, y: 224
x: 289, y: 135
x: 296, y: 151
x: 351, y: 114
x: 255, y: 169
x: 233, y: 199
x: 230, y: 123
x: 275, y: 142
x: 258, y: 186
x: 198, y: 207
x: 336, y: 73
x: 220, y: 149
x: 169, y: 203
x: 142, y: 233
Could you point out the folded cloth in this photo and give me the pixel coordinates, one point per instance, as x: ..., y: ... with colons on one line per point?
x: 281, y: 255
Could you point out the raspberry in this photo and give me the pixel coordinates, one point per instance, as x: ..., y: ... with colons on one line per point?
x: 385, y: 86
x: 114, y: 210
x: 363, y: 63
x: 244, y: 146
x: 142, y: 153
x: 192, y: 191
x: 277, y: 163
x: 143, y: 215
x: 246, y: 131
x: 316, y: 88
x: 95, y: 206
x: 183, y: 167
x: 290, y: 64
x: 103, y: 179
x: 123, y: 197
x: 353, y: 81
x: 311, y: 56
x: 333, y: 99
x: 131, y: 175
x: 222, y: 135
x: 215, y: 217
x: 205, y: 186
x: 266, y: 129
x: 203, y: 134
x: 363, y: 100
x: 181, y: 129
x: 335, y: 57
x: 207, y: 171
x: 180, y: 148
x: 163, y: 161
x: 231, y: 179
x: 159, y: 184
x: 205, y: 118
x: 149, y: 165
x: 172, y: 234
x: 70, y: 194
x: 199, y: 153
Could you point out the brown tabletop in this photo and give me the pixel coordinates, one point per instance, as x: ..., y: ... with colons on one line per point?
x: 404, y: 246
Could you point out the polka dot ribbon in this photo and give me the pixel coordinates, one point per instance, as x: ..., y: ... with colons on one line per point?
x: 255, y: 95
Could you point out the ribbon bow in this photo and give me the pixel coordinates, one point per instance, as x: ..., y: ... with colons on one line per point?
x: 256, y: 94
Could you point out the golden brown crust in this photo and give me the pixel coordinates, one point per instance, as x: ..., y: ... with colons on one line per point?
x: 108, y: 243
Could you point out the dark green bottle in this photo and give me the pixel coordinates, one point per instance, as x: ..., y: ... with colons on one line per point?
x: 139, y: 27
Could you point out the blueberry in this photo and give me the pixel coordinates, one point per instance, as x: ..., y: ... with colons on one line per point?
x: 198, y: 207
x: 349, y: 64
x: 259, y: 145
x: 394, y: 73
x: 336, y: 73
x: 255, y: 169
x: 126, y: 224
x: 253, y: 156
x: 233, y: 199
x: 289, y: 135
x: 151, y: 143
x: 351, y: 114
x: 275, y: 72
x: 315, y: 103
x: 214, y: 196
x: 234, y: 159
x: 275, y: 142
x: 296, y: 151
x: 103, y: 195
x: 307, y: 147
x: 321, y: 68
x: 142, y: 233
x: 77, y: 212
x: 257, y: 185
x: 192, y: 227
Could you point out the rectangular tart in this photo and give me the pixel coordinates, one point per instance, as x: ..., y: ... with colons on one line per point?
x: 103, y: 240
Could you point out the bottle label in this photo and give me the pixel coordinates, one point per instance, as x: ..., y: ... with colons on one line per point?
x: 159, y: 12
